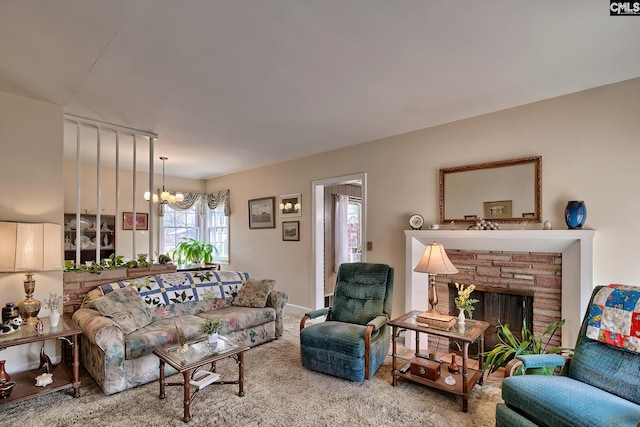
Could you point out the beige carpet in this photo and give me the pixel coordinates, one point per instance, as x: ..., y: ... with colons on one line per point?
x: 279, y: 392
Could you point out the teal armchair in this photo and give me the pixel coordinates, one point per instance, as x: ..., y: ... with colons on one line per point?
x: 354, y: 339
x: 598, y: 386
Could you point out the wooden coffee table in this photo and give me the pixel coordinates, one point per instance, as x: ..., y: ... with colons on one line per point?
x: 199, y: 353
x: 472, y: 331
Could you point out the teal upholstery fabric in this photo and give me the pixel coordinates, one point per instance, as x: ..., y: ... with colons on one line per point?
x: 359, y: 293
x: 563, y: 401
x: 601, y: 388
x: 541, y: 360
x: 337, y: 346
x: 506, y: 417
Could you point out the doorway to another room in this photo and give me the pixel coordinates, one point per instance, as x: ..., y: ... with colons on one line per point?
x: 339, y: 218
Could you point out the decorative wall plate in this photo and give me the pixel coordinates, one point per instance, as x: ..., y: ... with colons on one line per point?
x: 416, y: 221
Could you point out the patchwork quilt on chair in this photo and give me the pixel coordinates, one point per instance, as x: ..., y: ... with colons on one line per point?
x: 614, y: 317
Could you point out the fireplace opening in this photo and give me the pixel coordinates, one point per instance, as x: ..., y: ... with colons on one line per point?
x: 496, y: 306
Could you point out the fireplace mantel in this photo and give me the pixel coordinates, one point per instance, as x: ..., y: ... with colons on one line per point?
x: 576, y: 247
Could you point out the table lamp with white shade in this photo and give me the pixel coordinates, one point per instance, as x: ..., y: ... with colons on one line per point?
x: 434, y: 261
x: 30, y: 247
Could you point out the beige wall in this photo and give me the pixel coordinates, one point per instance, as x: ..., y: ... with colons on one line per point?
x: 31, y: 176
x: 589, y: 148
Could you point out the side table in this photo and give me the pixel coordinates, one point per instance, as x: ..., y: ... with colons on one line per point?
x: 472, y: 331
x: 67, y: 332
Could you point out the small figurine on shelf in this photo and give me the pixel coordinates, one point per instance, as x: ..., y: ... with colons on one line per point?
x: 453, y: 366
x: 45, y: 361
x: 10, y: 326
x: 40, y: 327
x: 44, y: 380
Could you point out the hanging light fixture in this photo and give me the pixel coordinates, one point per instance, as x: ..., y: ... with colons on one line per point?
x: 165, y: 196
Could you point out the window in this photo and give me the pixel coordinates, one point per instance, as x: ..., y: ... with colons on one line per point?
x: 354, y: 229
x: 177, y: 224
x: 218, y: 233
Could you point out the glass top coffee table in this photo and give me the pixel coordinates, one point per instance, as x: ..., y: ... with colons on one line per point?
x: 190, y: 358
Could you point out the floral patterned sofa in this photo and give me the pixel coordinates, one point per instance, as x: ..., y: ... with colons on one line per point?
x: 122, y: 322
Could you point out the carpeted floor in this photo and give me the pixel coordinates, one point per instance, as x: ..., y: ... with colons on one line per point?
x: 278, y: 392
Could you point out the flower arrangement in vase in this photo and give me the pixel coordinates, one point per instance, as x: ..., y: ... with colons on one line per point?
x: 464, y: 302
x: 53, y: 303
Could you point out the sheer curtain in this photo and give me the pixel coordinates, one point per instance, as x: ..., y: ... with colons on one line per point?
x: 340, y: 228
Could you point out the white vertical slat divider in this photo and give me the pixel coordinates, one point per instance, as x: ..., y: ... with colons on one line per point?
x: 152, y: 141
x: 79, y: 122
x: 78, y: 191
x: 98, y: 192
x: 117, y: 195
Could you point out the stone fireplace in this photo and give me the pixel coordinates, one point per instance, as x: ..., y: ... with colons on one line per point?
x: 556, y: 266
x: 530, y: 281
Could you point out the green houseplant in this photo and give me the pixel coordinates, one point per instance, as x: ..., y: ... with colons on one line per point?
x: 193, y: 250
x: 509, y: 346
x: 211, y: 328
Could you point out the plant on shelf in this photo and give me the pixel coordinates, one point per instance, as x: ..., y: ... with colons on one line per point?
x: 211, y: 326
x: 463, y: 302
x: 194, y: 251
x: 509, y: 346
x: 114, y: 261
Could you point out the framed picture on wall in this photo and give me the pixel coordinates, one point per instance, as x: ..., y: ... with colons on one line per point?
x: 262, y: 213
x: 142, y: 221
x: 290, y: 205
x: 500, y: 209
x: 291, y: 231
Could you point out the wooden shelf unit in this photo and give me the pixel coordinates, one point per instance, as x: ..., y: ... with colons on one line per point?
x: 106, y: 230
x: 64, y: 377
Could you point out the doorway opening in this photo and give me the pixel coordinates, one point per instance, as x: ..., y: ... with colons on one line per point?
x: 324, y: 211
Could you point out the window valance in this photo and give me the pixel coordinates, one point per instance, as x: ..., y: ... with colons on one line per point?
x: 208, y: 200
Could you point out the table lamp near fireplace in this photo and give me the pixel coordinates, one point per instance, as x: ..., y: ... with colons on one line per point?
x: 30, y: 247
x: 434, y: 261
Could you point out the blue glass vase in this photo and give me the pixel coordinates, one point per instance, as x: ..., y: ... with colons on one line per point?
x: 575, y: 214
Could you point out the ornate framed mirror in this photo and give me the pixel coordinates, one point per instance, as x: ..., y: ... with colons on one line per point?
x: 503, y: 191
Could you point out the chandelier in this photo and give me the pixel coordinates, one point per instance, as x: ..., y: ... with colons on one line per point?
x: 165, y: 196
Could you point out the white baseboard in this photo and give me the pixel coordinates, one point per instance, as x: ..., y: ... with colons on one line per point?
x: 296, y: 310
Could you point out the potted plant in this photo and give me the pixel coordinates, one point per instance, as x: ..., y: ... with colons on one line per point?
x: 211, y: 328
x: 509, y: 346
x: 195, y: 251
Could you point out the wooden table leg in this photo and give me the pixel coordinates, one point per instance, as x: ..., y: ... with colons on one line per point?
x: 394, y: 355
x: 76, y: 366
x: 465, y: 375
x: 241, y: 374
x: 162, y: 384
x: 187, y: 390
x: 481, y: 359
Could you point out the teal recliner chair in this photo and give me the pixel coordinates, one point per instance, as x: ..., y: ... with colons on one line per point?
x: 600, y: 385
x: 354, y: 339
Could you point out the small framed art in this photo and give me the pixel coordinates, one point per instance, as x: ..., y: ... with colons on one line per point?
x: 142, y: 221
x: 262, y: 213
x: 290, y: 205
x: 499, y: 209
x: 291, y: 231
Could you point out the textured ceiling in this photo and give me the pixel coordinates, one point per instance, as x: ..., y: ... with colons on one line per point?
x: 232, y: 85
